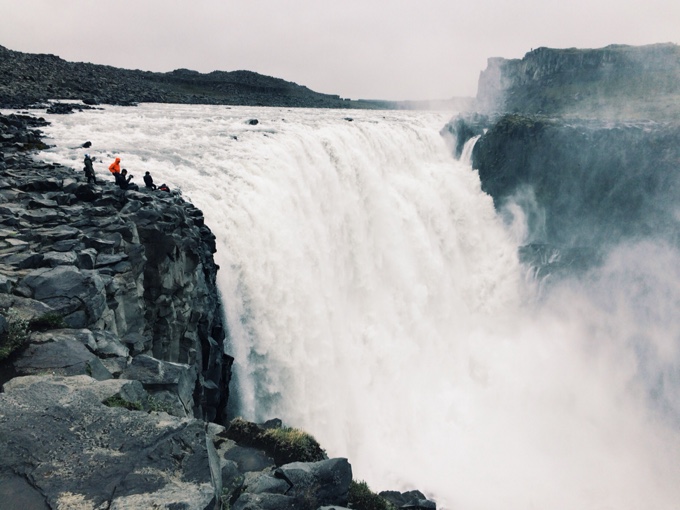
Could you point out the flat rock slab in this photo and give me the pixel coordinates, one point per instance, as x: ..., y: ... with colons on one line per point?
x: 16, y: 493
x: 85, y: 455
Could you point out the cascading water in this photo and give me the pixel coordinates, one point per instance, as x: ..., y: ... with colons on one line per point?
x: 374, y: 298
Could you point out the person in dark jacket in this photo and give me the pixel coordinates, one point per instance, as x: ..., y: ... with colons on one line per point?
x: 123, y: 180
x: 89, y: 169
x: 148, y: 180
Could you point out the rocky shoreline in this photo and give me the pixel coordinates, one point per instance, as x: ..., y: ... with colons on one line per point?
x: 112, y: 358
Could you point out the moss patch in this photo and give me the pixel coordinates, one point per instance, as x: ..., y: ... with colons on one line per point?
x: 360, y: 497
x: 284, y: 444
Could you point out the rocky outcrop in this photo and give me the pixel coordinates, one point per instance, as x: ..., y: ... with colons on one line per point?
x: 596, y: 183
x: 134, y: 268
x: 581, y: 185
x: 111, y: 315
x: 617, y: 82
x: 112, y: 359
x: 592, y: 157
x: 85, y: 454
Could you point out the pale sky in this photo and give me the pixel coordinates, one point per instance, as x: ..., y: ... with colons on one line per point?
x: 360, y: 49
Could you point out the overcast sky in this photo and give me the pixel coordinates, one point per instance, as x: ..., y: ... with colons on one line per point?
x: 361, y: 49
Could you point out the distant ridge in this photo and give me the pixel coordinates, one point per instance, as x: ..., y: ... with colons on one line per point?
x: 27, y: 78
x: 617, y: 81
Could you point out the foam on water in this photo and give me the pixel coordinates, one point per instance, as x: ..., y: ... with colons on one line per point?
x: 374, y: 298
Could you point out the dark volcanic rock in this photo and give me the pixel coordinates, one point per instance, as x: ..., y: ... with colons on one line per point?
x: 585, y: 143
x: 85, y: 454
x: 107, y: 267
x: 618, y: 81
x: 593, y: 184
x: 72, y: 255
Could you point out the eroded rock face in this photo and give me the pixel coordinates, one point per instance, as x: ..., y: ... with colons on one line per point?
x: 134, y: 268
x: 121, y: 359
x: 592, y: 184
x: 617, y: 82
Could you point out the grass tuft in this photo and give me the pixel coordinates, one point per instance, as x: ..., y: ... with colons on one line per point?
x: 284, y: 444
x: 360, y: 497
x: 16, y: 335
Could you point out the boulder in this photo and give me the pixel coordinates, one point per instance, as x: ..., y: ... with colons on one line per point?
x: 89, y: 455
x: 158, y: 376
x: 62, y: 286
x: 413, y: 500
x: 328, y: 479
x: 299, y: 485
x: 62, y: 356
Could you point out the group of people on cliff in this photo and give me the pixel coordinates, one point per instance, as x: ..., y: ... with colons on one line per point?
x: 122, y: 179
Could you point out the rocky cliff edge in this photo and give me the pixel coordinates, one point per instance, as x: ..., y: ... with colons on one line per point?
x: 112, y: 359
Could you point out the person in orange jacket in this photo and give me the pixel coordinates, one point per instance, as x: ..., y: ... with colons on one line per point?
x: 114, y: 167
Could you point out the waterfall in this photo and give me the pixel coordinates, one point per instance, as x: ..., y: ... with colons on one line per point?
x: 466, y: 153
x: 374, y: 298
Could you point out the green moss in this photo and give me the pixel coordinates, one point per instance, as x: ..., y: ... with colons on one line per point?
x: 16, y: 336
x: 284, y: 444
x: 292, y: 445
x: 231, y: 492
x: 50, y: 320
x: 362, y: 498
x: 118, y: 401
x: 155, y: 405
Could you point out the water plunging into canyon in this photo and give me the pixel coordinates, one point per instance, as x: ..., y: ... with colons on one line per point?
x: 375, y: 299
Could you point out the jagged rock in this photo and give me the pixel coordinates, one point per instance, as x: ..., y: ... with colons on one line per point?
x: 591, y: 83
x: 137, y: 343
x: 25, y: 308
x: 583, y: 183
x: 155, y: 290
x: 329, y: 478
x: 413, y: 500
x: 249, y: 459
x: 84, y: 336
x: 60, y: 108
x: 62, y: 356
x: 79, y: 294
x: 250, y: 501
x: 109, y: 345
x: 163, y: 376
x: 298, y: 485
x: 54, y: 258
x: 7, y: 283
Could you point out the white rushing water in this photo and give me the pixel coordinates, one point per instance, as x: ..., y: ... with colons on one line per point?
x: 374, y: 298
